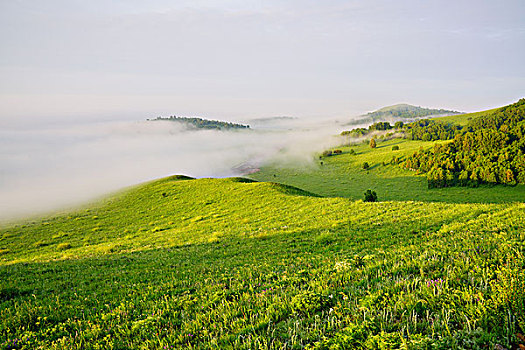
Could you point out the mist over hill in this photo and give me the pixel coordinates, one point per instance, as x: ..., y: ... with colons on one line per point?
x: 401, y: 111
x: 44, y: 169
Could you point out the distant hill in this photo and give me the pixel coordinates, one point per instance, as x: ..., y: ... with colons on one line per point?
x: 201, y: 123
x: 272, y: 119
x: 401, y: 111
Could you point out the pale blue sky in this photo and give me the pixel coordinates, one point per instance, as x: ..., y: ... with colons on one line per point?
x: 75, y: 59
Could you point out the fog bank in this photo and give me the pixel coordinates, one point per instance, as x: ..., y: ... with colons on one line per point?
x: 45, y: 169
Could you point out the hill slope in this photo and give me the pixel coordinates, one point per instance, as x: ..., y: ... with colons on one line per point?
x: 226, y: 263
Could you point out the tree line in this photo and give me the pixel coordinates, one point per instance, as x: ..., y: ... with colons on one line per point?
x: 379, y: 126
x: 204, y: 123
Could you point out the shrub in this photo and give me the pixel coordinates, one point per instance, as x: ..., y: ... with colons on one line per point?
x: 327, y: 153
x: 366, y: 166
x: 395, y: 148
x: 372, y: 143
x: 352, y: 152
x: 337, y: 151
x: 370, y: 196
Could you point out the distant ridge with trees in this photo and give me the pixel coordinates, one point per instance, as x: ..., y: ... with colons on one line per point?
x: 401, y: 111
x: 201, y: 123
x: 479, y: 148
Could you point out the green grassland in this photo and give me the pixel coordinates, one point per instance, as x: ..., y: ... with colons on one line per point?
x: 229, y: 263
x: 342, y: 175
x: 295, y: 261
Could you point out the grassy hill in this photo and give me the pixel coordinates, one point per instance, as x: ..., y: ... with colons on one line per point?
x: 463, y: 119
x: 229, y: 263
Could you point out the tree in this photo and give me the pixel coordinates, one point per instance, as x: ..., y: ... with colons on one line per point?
x: 370, y: 196
x: 366, y: 166
x: 372, y: 143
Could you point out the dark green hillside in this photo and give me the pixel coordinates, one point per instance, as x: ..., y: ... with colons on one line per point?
x: 234, y: 264
x: 201, y: 123
x: 490, y: 150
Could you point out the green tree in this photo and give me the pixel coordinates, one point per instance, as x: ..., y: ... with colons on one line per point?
x: 372, y: 143
x: 399, y: 125
x: 370, y: 196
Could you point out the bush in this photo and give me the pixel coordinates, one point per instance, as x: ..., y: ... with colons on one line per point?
x: 370, y: 196
x: 327, y: 153
x: 337, y: 151
x: 372, y: 143
x: 366, y: 166
x: 395, y: 148
x: 352, y: 152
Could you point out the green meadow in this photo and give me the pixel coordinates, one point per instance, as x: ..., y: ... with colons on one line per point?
x: 230, y: 263
x: 342, y: 175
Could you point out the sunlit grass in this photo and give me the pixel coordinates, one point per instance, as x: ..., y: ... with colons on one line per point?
x: 218, y: 263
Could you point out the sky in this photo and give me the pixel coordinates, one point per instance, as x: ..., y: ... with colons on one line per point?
x: 73, y: 60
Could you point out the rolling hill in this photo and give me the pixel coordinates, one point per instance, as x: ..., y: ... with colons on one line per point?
x: 230, y: 263
x: 289, y: 263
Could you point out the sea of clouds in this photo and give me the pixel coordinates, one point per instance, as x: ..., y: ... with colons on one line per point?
x: 47, y: 168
